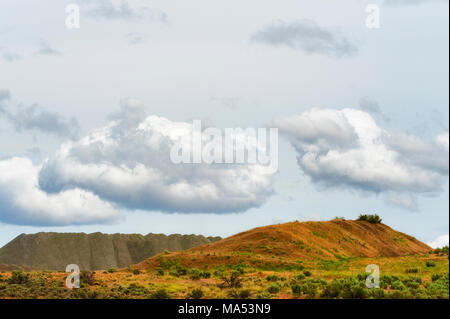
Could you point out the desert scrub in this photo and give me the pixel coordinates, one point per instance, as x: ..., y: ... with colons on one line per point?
x: 274, y: 288
x: 240, y: 294
x: 296, y: 289
x: 160, y: 294
x: 232, y: 280
x: 196, y: 294
x: 19, y: 278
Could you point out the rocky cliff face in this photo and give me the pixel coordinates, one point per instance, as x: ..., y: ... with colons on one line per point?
x: 54, y: 251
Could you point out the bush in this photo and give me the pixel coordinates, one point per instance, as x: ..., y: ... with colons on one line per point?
x: 112, y: 270
x: 19, y: 278
x: 373, y: 219
x: 332, y: 290
x: 273, y: 289
x: 160, y: 272
x: 160, y: 294
x: 196, y: 294
x: 310, y: 290
x: 430, y: 263
x: 356, y: 292
x: 412, y: 271
x: 272, y: 278
x: 300, y: 277
x: 232, y: 281
x: 307, y: 273
x: 435, y: 277
x: 296, y: 289
x: 441, y: 251
x: 136, y: 272
x: 244, y: 294
x: 398, y: 285
x: 87, y: 278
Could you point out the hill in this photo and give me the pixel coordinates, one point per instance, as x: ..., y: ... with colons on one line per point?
x: 287, y: 243
x: 54, y: 251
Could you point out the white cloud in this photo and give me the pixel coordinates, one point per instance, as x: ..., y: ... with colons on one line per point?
x: 439, y: 242
x: 23, y: 203
x: 346, y: 148
x: 128, y: 162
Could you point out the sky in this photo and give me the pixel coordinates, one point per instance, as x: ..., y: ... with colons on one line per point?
x: 88, y: 114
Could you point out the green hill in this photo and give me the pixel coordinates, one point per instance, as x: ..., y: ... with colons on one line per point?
x: 54, y: 251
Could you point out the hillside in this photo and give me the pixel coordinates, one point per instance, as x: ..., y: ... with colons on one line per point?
x: 54, y: 251
x: 331, y: 240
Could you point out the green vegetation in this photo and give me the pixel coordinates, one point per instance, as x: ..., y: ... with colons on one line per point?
x: 373, y: 219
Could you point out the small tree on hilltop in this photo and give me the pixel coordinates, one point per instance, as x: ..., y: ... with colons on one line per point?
x: 373, y: 219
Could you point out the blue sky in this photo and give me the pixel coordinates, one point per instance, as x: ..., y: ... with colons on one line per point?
x: 362, y: 114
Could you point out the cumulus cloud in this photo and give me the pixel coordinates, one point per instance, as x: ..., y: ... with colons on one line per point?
x: 439, y: 242
x: 128, y: 162
x: 34, y: 118
x: 411, y: 2
x: 23, y: 203
x: 107, y: 9
x: 307, y: 36
x: 346, y: 148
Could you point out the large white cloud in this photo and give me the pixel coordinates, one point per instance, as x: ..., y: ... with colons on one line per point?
x: 23, y: 203
x: 346, y: 148
x: 439, y: 242
x: 128, y: 162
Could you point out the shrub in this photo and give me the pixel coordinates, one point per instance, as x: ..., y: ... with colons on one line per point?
x: 373, y: 219
x: 412, y: 271
x: 233, y: 280
x: 196, y: 294
x: 300, y: 277
x: 441, y: 251
x: 307, y: 273
x: 242, y: 294
x: 178, y: 271
x: 160, y: 294
x: 136, y: 272
x: 160, y: 272
x: 377, y: 293
x: 310, y: 290
x: 19, y: 278
x: 274, y: 288
x: 112, y: 270
x: 356, y: 292
x: 296, y: 289
x: 398, y: 285
x: 435, y: 277
x: 272, y: 278
x: 332, y: 290
x: 430, y: 263
x: 87, y: 277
